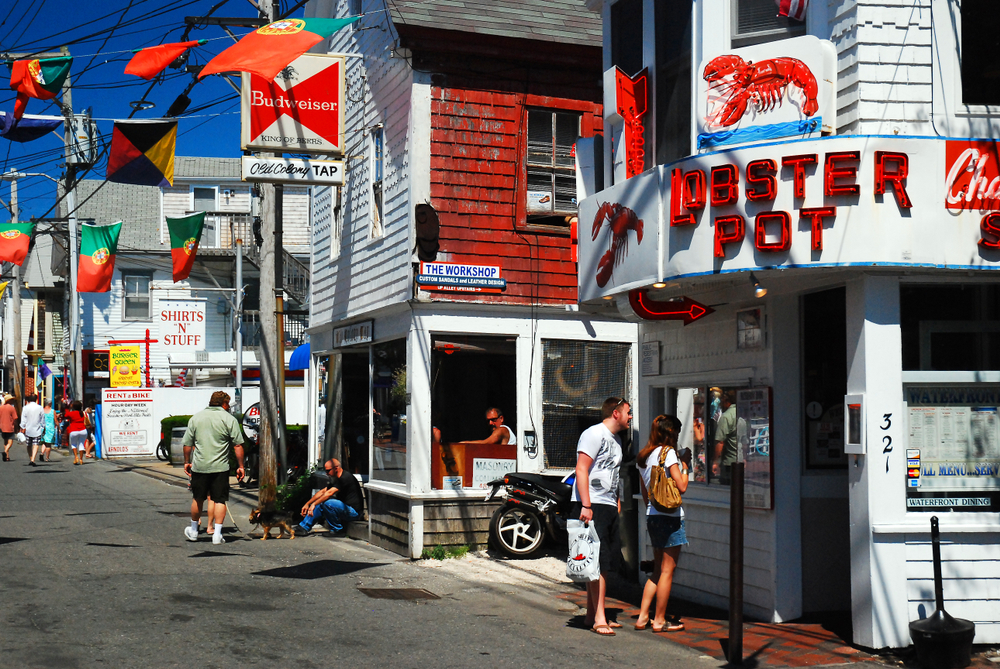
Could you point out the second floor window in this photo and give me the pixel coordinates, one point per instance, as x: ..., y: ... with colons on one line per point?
x: 136, y: 299
x: 757, y: 21
x: 551, y: 166
x: 980, y: 42
x: 378, y: 148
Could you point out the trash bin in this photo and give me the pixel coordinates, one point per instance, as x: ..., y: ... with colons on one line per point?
x: 177, y: 445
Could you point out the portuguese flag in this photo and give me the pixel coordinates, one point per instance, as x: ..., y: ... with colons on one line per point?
x: 185, y: 233
x: 269, y: 49
x: 14, y: 240
x: 98, y: 247
x: 147, y: 63
x: 40, y: 79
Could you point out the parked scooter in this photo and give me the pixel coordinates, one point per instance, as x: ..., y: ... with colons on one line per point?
x: 535, y: 507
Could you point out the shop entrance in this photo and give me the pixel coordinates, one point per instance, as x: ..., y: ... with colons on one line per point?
x: 825, y: 507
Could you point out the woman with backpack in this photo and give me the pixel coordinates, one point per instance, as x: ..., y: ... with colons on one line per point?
x: 663, y: 478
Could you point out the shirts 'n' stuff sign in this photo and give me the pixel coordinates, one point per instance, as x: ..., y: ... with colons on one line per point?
x: 352, y: 335
x: 650, y: 358
x: 127, y: 422
x: 293, y: 170
x: 182, y: 325
x: 300, y: 111
x: 458, y: 277
x: 126, y: 363
x: 953, y: 452
x: 485, y: 470
x: 753, y: 436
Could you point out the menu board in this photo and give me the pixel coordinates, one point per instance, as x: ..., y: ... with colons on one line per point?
x: 753, y: 434
x: 953, y: 448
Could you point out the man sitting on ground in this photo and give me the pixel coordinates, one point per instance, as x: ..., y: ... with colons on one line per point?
x: 339, y: 503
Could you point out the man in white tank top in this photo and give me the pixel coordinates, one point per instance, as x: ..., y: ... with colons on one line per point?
x: 501, y: 433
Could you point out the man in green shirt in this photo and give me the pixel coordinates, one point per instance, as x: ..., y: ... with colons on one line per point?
x: 725, y: 439
x: 211, y: 433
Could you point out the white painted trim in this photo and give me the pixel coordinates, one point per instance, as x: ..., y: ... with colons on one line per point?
x: 947, y: 526
x: 416, y: 528
x: 939, y: 377
x: 387, y: 488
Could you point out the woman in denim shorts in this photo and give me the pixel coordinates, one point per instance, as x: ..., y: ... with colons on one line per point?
x: 666, y: 529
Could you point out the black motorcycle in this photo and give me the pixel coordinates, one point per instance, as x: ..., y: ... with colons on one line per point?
x: 536, y: 506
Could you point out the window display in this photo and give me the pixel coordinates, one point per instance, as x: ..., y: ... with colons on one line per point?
x: 389, y: 411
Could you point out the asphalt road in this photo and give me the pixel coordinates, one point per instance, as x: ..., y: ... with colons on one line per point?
x: 95, y: 572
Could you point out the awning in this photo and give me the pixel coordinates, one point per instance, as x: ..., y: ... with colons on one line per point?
x: 300, y: 358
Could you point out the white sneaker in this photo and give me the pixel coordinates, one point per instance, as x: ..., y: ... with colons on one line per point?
x: 217, y: 539
x: 192, y: 535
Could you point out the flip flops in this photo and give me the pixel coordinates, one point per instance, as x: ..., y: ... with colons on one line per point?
x: 669, y: 626
x: 603, y: 630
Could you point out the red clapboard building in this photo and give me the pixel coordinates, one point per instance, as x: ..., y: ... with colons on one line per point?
x: 444, y: 270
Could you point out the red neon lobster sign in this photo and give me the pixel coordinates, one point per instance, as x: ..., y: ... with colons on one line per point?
x: 632, y: 97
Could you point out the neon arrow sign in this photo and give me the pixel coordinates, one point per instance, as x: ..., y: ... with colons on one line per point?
x: 679, y: 309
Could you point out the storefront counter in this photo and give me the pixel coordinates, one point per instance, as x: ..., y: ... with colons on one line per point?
x: 464, y: 465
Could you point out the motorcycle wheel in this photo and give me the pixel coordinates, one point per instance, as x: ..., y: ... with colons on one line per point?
x: 516, y: 531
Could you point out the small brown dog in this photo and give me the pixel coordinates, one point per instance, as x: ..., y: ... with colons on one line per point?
x: 270, y: 519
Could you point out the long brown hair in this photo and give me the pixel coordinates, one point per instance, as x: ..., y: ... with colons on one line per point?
x: 663, y: 432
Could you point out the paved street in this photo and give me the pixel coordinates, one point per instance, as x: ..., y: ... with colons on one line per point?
x: 95, y: 571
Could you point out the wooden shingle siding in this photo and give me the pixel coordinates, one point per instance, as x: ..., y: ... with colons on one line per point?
x: 389, y: 518
x: 457, y: 523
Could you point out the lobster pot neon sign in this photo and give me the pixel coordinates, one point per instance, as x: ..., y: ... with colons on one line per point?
x: 765, y: 92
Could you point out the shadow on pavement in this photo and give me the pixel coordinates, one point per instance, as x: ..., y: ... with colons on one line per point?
x: 318, y: 569
x: 10, y: 540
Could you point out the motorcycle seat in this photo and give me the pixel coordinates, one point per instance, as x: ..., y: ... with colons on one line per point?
x: 552, y: 484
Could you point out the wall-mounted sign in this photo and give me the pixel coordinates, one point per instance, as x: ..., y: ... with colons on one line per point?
x: 485, y: 470
x: 650, y: 358
x: 96, y: 364
x: 354, y: 334
x: 456, y: 277
x: 300, y: 111
x: 972, y: 175
x: 182, y: 325
x: 293, y: 170
x: 767, y: 91
x: 126, y: 363
x: 127, y: 422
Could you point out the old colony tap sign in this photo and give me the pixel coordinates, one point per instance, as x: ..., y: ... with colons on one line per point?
x: 839, y: 201
x: 300, y: 111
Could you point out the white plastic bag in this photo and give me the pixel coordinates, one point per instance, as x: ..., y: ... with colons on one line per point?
x: 584, y: 562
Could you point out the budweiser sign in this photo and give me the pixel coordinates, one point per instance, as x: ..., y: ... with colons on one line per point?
x: 972, y: 175
x: 300, y: 111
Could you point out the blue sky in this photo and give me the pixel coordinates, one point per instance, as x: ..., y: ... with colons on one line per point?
x: 100, y: 36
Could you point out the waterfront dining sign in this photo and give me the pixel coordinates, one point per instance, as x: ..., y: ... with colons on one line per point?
x: 838, y: 201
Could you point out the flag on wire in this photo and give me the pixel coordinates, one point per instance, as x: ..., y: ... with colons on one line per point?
x: 269, y: 49
x: 149, y: 62
x: 98, y: 248
x: 14, y: 241
x: 185, y: 233
x: 44, y: 370
x: 28, y: 127
x: 181, y: 378
x: 38, y: 78
x: 142, y: 153
x: 793, y: 9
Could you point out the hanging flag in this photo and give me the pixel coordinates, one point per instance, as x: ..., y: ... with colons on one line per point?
x: 44, y: 371
x: 185, y: 233
x: 149, y: 62
x: 98, y: 247
x: 269, y: 49
x: 3, y: 287
x: 40, y: 79
x: 14, y: 241
x: 181, y: 378
x: 793, y: 9
x: 142, y: 153
x: 28, y: 127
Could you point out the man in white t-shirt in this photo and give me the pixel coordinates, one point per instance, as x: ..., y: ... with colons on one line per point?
x: 501, y: 433
x: 598, y: 461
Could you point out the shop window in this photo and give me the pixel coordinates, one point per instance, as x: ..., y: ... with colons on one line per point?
x: 824, y: 376
x: 551, y: 166
x: 470, y: 375
x: 949, y: 327
x: 673, y: 79
x: 756, y: 22
x: 377, y: 152
x: 389, y: 393
x: 626, y: 35
x: 710, y: 429
x: 136, y: 299
x: 577, y: 377
x: 980, y: 45
x: 343, y: 416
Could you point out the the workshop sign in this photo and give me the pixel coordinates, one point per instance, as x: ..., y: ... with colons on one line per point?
x: 182, y: 325
x: 300, y: 111
x: 127, y: 423
x: 126, y: 365
x: 460, y: 277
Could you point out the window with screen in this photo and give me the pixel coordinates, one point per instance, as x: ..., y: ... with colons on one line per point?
x: 551, y: 166
x: 136, y: 298
x: 757, y: 21
x: 980, y: 45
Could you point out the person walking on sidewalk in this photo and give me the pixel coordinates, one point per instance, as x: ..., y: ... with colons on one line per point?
x: 33, y: 426
x: 8, y: 424
x: 211, y: 435
x: 77, y: 431
x: 595, y: 497
x: 49, y: 437
x: 666, y: 528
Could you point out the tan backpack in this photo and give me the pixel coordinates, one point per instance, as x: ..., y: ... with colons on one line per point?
x: 663, y: 491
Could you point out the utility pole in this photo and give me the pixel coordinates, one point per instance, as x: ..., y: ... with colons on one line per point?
x: 75, y: 343
x: 15, y: 307
x: 270, y: 348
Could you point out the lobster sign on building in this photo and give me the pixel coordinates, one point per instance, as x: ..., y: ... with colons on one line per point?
x: 768, y: 91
